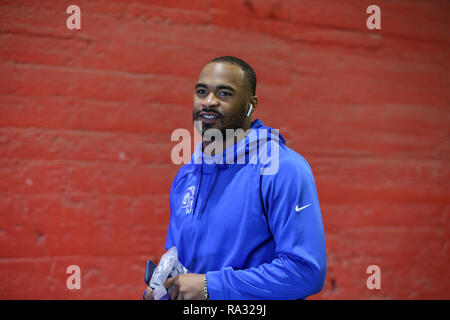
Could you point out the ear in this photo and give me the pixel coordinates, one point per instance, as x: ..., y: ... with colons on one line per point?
x: 253, y: 104
x: 250, y: 109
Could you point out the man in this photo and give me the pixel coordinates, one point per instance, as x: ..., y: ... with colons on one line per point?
x: 241, y: 231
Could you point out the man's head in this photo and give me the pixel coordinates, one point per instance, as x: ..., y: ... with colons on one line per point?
x: 224, y: 94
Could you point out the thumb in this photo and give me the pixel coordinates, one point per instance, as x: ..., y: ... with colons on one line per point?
x: 149, y: 294
x: 169, y: 282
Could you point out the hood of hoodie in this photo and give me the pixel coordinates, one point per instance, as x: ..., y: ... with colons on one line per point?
x: 253, y: 149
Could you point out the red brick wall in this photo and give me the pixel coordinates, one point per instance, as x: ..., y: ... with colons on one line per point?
x: 86, y: 117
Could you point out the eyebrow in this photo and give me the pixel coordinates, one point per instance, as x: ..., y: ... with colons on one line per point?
x: 219, y: 87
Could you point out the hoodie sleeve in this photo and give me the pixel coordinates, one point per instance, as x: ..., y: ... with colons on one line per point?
x: 173, y: 228
x: 293, y: 213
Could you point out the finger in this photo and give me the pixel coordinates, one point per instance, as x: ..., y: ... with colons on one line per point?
x: 175, y: 292
x: 149, y: 294
x: 169, y: 282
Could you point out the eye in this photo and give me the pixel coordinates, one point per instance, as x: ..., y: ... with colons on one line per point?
x: 200, y: 92
x: 225, y: 94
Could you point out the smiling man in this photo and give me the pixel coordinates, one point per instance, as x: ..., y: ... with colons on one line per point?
x: 231, y: 100
x: 242, y: 231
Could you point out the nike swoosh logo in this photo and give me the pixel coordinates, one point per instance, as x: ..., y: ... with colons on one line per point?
x: 297, y: 209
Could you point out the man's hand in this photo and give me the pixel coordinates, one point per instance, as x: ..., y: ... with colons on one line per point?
x: 149, y: 294
x: 186, y: 286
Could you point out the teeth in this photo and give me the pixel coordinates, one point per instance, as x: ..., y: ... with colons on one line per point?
x: 207, y: 116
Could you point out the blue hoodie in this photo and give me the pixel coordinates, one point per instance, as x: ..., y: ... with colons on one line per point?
x: 254, y: 235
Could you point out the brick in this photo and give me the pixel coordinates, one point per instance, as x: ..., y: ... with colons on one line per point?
x: 35, y: 144
x: 355, y: 64
x: 347, y: 16
x: 386, y: 182
x: 360, y: 215
x: 48, y: 82
x: 29, y: 269
x: 397, y: 131
x: 121, y: 179
x: 86, y: 118
x: 24, y: 48
x: 35, y: 176
x: 32, y: 177
x: 359, y: 89
x: 77, y: 114
x: 141, y: 56
x: 68, y: 224
x: 398, y: 251
x: 101, y: 277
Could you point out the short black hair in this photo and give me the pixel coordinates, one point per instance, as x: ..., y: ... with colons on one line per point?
x: 249, y: 73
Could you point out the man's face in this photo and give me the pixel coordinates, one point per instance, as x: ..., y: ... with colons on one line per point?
x: 221, y: 97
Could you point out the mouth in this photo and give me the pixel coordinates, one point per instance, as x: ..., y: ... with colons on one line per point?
x: 208, y: 117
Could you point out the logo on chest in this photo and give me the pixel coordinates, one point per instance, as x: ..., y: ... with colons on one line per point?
x: 188, y: 199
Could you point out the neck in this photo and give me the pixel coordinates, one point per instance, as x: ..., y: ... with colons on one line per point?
x: 227, y: 142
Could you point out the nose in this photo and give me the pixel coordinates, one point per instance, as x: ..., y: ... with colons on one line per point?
x: 210, y: 101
